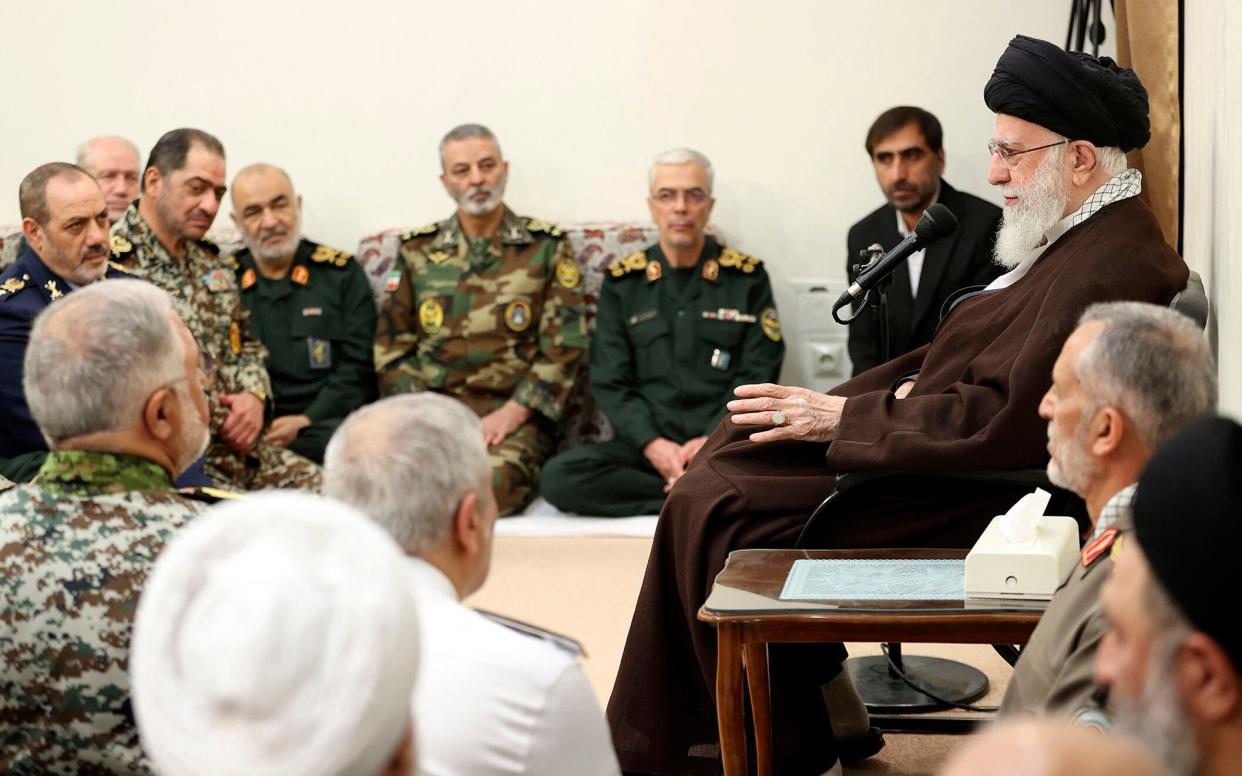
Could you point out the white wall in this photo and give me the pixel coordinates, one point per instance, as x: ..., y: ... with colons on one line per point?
x: 1213, y: 170
x: 352, y: 97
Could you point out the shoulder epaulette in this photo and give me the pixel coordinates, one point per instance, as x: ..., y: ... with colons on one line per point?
x: 565, y: 643
x: 120, y: 245
x: 209, y: 495
x: 419, y: 231
x: 13, y: 285
x: 737, y: 260
x: 208, y: 246
x: 120, y: 268
x: 535, y: 225
x: 325, y: 255
x: 635, y: 262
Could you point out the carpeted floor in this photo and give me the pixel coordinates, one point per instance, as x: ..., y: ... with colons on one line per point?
x: 585, y: 587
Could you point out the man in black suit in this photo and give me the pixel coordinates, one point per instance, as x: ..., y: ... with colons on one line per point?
x: 905, y: 147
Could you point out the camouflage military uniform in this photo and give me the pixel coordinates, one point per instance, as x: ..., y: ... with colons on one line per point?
x: 486, y: 321
x: 205, y: 294
x: 75, y: 550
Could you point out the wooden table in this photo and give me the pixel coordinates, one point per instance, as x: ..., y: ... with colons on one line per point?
x: 747, y: 610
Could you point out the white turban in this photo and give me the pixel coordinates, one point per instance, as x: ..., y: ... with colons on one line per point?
x: 276, y: 635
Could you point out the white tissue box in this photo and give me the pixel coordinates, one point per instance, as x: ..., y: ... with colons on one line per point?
x: 996, y: 568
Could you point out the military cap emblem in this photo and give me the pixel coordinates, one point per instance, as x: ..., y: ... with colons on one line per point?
x: 431, y: 315
x: 235, y: 338
x: 711, y: 270
x: 517, y: 315
x: 567, y: 273
x: 771, y: 324
x: 53, y: 290
x: 655, y: 271
x: 119, y: 245
x: 248, y: 278
x: 300, y: 275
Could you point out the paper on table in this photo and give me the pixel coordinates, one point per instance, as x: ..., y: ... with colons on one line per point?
x: 880, y: 579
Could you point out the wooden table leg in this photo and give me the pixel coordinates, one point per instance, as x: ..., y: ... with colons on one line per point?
x: 756, y: 654
x: 730, y: 701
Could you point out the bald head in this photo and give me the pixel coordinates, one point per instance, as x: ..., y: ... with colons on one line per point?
x: 1048, y: 748
x: 115, y: 163
x: 268, y: 213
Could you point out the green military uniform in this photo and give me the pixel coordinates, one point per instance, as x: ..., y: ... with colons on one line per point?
x: 318, y: 324
x: 485, y: 321
x: 77, y: 547
x: 205, y: 295
x: 669, y: 348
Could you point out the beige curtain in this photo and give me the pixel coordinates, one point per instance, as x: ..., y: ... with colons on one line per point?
x: 1147, y: 41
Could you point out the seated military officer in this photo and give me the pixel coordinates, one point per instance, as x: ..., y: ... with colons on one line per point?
x: 679, y: 327
x: 311, y: 307
x: 486, y: 307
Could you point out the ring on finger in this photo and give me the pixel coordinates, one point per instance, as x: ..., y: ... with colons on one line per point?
x: 778, y: 418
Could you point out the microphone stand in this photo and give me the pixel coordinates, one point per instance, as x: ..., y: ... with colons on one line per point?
x: 879, y: 300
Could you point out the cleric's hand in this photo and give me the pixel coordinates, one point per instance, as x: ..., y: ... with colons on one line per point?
x: 807, y: 416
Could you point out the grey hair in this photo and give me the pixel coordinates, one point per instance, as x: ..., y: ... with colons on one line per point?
x: 682, y: 156
x: 84, y: 150
x: 1152, y: 363
x: 1112, y: 159
x: 95, y: 355
x: 408, y: 461
x: 467, y: 132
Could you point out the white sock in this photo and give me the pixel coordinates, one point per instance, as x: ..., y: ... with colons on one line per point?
x: 845, y: 707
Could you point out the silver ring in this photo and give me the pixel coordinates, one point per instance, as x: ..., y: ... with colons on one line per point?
x: 778, y: 418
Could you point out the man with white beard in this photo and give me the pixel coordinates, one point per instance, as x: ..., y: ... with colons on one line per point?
x: 967, y: 401
x: 486, y: 306
x: 312, y: 308
x: 1172, y: 656
x: 1128, y: 378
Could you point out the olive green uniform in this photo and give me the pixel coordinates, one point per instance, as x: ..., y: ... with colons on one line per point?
x: 318, y: 325
x: 669, y: 348
x: 485, y: 321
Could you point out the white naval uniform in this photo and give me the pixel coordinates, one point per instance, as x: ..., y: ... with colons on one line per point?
x: 490, y: 700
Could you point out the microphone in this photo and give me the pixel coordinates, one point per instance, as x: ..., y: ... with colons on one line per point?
x: 937, y: 222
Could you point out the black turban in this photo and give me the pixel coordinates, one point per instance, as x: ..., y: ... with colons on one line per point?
x: 1073, y: 94
x: 1188, y: 519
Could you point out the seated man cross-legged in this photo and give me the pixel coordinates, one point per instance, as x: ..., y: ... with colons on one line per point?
x: 680, y: 325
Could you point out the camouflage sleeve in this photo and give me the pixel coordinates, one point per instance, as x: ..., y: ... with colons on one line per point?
x: 562, y: 339
x: 396, y: 338
x: 243, y: 368
x: 763, y: 345
x: 353, y: 381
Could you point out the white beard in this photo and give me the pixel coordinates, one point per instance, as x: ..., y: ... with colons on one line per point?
x: 1158, y: 721
x: 1041, y: 203
x: 495, y: 196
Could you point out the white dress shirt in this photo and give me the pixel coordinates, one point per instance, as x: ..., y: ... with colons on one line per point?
x: 490, y: 700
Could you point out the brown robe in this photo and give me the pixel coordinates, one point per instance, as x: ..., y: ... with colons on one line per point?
x: 974, y: 406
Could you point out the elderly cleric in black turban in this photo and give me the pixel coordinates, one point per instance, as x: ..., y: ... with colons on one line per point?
x: 1073, y: 94
x: 1188, y: 520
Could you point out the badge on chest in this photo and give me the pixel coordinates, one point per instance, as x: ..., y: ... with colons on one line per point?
x: 219, y: 279
x: 320, y: 353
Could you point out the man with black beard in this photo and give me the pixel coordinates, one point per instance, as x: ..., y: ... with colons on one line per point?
x: 1129, y: 377
x: 1172, y: 657
x: 310, y: 305
x: 1075, y: 234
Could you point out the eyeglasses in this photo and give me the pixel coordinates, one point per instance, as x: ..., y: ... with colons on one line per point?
x: 1007, y: 154
x: 669, y: 197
